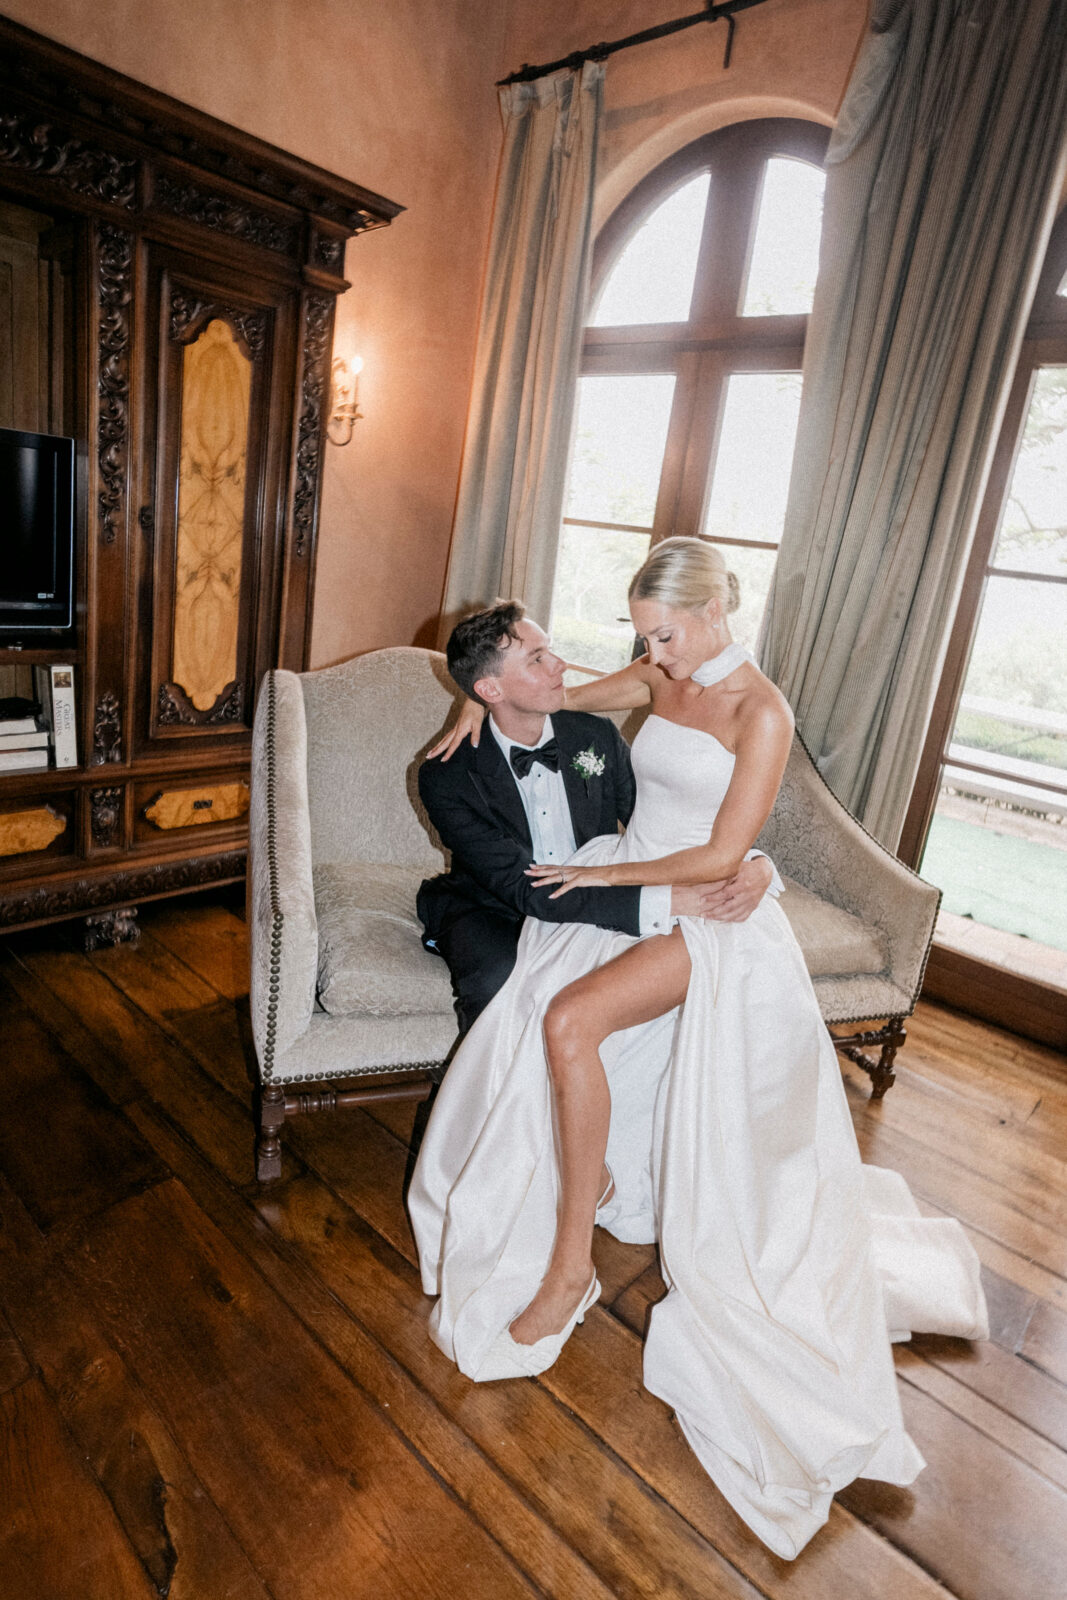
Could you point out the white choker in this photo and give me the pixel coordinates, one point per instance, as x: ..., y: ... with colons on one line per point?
x: 719, y: 667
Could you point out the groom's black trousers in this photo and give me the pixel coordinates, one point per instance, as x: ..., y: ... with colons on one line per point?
x: 479, y: 946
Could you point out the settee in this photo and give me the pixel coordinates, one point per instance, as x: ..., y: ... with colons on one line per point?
x: 348, y: 1006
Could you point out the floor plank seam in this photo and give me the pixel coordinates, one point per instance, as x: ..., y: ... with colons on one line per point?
x: 1035, y: 1366
x: 969, y: 1422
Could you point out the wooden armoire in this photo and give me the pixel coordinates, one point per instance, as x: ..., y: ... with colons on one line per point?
x: 167, y: 294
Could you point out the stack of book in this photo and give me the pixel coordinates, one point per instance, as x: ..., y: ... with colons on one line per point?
x: 23, y: 745
x: 40, y: 731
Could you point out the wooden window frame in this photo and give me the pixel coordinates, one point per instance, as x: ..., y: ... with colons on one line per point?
x: 1025, y: 1005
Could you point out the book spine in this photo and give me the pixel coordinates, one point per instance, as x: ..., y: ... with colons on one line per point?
x: 23, y: 760
x: 42, y: 688
x: 64, y: 736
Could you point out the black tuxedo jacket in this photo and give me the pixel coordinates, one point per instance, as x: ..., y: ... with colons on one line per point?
x: 474, y: 803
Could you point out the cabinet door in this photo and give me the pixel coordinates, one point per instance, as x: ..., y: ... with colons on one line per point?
x: 219, y: 357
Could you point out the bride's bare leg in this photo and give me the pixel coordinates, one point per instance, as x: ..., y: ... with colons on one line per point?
x: 644, y: 982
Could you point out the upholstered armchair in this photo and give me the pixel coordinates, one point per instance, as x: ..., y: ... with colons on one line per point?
x: 344, y: 996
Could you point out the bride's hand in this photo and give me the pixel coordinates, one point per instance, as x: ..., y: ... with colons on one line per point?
x: 470, y: 721
x: 569, y: 878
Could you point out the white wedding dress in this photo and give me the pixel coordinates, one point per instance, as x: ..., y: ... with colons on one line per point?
x: 789, y: 1265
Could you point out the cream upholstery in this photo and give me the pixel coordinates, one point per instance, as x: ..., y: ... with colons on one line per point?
x: 371, y: 959
x: 832, y: 939
x: 341, y: 986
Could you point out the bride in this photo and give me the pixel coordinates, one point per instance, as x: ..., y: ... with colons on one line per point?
x: 789, y: 1265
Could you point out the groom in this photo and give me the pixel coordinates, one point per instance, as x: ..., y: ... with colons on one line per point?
x: 541, y: 783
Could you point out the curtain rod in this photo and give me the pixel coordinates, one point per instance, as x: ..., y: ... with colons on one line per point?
x: 599, y: 52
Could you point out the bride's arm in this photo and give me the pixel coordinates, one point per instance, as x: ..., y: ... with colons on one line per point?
x: 761, y: 756
x: 612, y: 691
x: 624, y: 690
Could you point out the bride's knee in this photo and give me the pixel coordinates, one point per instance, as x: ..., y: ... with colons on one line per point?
x: 565, y: 1028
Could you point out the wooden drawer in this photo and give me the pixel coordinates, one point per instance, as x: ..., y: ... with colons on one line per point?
x: 165, y: 809
x: 36, y: 827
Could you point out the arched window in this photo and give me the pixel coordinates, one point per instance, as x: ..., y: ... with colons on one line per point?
x: 690, y: 385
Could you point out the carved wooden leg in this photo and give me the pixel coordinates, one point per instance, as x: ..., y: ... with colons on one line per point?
x: 883, y: 1075
x: 269, y: 1144
x: 111, y: 927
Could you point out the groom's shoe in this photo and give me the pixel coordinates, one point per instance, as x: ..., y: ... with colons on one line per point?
x: 507, y: 1358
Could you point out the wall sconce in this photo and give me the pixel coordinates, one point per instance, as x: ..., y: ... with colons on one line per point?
x: 344, y: 399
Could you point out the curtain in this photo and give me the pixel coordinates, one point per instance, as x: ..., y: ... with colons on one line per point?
x: 943, y: 175
x: 510, y: 500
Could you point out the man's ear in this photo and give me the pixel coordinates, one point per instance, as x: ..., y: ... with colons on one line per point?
x: 488, y: 690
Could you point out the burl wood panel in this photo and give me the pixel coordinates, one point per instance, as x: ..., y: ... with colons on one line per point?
x: 187, y: 808
x: 216, y: 392
x: 34, y: 829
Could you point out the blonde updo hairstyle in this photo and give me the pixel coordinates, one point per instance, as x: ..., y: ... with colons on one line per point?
x: 685, y: 574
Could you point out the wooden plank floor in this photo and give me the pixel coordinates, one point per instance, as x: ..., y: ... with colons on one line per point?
x: 213, y: 1391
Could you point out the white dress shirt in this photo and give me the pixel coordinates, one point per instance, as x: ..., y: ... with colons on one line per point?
x: 544, y: 800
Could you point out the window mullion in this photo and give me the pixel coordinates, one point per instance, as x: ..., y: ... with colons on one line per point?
x: 724, y: 250
x: 679, y: 432
x: 701, y: 443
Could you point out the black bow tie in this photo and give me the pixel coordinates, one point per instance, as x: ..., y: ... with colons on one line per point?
x: 522, y: 760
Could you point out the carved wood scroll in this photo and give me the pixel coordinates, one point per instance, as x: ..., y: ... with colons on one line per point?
x: 105, y: 814
x: 113, y: 376
x: 189, y: 808
x: 173, y: 707
x: 36, y: 144
x: 318, y: 320
x: 107, y: 731
x: 224, y: 214
x: 33, y: 829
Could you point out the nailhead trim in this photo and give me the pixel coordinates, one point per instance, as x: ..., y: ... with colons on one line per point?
x: 277, y: 919
x: 434, y: 1068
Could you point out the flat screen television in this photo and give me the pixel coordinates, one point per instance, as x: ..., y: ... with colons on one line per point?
x: 36, y: 532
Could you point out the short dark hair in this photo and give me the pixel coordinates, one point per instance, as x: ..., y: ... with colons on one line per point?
x: 475, y: 645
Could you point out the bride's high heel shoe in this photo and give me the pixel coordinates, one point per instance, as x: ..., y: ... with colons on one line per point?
x: 608, y: 1196
x: 507, y: 1358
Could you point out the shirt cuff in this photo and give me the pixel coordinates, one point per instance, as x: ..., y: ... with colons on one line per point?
x: 776, y: 886
x: 654, y: 915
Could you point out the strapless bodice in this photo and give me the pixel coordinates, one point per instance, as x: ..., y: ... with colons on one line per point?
x: 682, y: 778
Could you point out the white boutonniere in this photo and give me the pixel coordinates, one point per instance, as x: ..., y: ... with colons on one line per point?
x: 588, y: 764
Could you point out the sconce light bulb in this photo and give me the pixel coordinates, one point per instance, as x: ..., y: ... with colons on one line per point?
x: 344, y: 399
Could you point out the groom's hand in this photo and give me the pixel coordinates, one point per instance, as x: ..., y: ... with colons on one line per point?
x: 735, y: 899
